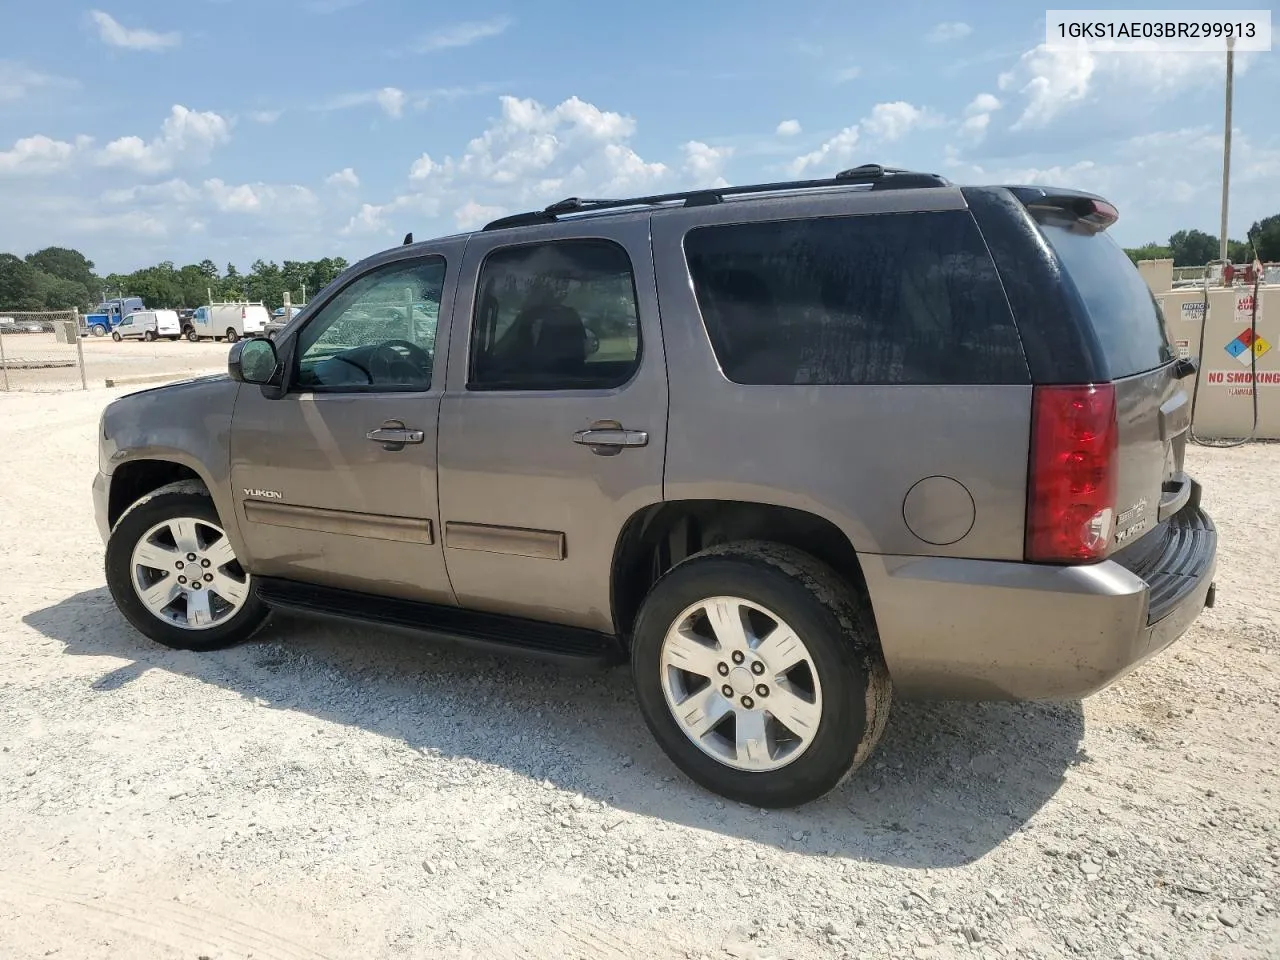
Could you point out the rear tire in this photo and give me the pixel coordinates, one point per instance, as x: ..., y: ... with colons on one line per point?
x: 143, y: 554
x: 835, y: 699
x: 232, y: 336
x: 148, y: 336
x: 115, y: 335
x: 98, y: 330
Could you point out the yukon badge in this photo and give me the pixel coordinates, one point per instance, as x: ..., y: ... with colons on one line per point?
x: 1132, y: 522
x: 256, y: 494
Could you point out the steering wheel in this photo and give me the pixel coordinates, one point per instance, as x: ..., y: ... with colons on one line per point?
x: 400, y: 361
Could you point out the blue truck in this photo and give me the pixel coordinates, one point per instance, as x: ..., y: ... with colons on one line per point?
x: 107, y: 315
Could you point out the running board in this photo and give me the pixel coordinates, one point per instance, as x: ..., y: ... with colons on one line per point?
x: 492, y: 632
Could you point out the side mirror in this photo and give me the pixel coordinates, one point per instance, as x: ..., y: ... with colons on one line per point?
x: 254, y: 361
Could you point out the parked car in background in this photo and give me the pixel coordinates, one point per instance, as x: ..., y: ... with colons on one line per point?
x: 280, y: 318
x: 834, y: 441
x: 10, y: 325
x: 229, y: 321
x: 107, y: 315
x: 149, y: 325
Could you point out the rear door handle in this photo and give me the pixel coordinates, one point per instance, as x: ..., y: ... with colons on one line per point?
x: 609, y: 438
x: 393, y: 435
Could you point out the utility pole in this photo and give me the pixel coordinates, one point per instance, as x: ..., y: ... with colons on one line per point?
x: 1226, y: 149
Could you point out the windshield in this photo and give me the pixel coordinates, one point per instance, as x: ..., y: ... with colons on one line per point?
x: 1125, y: 316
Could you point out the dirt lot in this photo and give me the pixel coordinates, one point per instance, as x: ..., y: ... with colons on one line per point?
x: 335, y: 792
x: 103, y: 359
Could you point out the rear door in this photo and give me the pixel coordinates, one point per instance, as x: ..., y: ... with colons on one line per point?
x: 1153, y: 408
x: 553, y: 427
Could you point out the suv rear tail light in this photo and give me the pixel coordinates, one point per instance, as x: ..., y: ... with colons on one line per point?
x: 1071, y: 495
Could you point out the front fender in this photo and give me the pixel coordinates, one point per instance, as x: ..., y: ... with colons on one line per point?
x: 188, y: 424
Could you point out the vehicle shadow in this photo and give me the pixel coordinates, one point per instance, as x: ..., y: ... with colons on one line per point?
x: 948, y: 784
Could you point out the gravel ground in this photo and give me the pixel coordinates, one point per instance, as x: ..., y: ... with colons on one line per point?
x: 337, y: 792
x: 104, y: 358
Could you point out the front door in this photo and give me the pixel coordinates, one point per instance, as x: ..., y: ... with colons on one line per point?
x: 553, y: 426
x: 336, y: 481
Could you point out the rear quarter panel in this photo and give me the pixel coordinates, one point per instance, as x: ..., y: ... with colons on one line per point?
x: 850, y: 454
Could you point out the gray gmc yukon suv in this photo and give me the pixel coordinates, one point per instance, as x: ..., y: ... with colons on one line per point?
x: 786, y: 447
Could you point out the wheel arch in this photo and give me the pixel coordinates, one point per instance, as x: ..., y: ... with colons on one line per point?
x: 132, y: 479
x: 657, y: 537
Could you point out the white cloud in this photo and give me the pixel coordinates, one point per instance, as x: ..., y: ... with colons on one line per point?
x: 346, y: 177
x: 893, y: 121
x: 788, y: 128
x: 1053, y: 81
x: 368, y: 220
x: 114, y: 34
x: 216, y: 194
x: 18, y: 81
x: 977, y: 116
x: 38, y: 154
x: 391, y: 100
x: 423, y: 167
x: 847, y: 74
x: 462, y: 34
x: 705, y: 164
x: 472, y: 215
x: 170, y: 192
x: 536, y: 151
x: 185, y: 136
x: 834, y: 155
x: 259, y: 198
x: 265, y: 116
x: 982, y: 103
x: 947, y: 32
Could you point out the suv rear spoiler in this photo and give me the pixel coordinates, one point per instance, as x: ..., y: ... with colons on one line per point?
x: 1052, y: 203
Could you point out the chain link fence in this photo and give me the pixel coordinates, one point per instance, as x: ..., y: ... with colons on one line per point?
x: 41, y: 350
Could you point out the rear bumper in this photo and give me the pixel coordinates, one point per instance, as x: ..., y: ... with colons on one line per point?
x: 989, y: 630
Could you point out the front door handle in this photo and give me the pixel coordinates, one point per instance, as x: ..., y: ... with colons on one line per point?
x: 393, y: 435
x: 609, y: 437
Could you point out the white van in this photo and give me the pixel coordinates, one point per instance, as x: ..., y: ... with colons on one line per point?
x: 148, y: 325
x: 230, y: 320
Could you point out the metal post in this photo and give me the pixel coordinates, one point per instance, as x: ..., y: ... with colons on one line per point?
x: 1226, y: 148
x: 80, y: 349
x: 4, y: 365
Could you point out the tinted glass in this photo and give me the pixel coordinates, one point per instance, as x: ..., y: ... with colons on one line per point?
x: 884, y: 299
x: 1123, y: 312
x: 555, y: 316
x: 379, y: 333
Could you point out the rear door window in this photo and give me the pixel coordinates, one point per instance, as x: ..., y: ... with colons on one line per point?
x: 1122, y: 311
x: 910, y: 298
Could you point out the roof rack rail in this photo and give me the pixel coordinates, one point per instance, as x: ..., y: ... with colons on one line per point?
x: 878, y: 177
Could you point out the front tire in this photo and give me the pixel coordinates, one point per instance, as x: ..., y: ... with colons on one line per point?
x: 758, y: 670
x: 115, y: 335
x: 203, y: 603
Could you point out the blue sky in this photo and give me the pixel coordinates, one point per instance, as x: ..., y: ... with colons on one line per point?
x: 293, y: 129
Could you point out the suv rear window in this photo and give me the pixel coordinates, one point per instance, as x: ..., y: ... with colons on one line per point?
x: 910, y: 298
x: 1125, y: 316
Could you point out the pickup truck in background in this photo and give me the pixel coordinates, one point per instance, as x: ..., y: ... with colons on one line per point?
x: 107, y: 315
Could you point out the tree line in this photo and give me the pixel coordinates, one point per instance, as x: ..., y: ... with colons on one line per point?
x: 58, y: 278
x: 1194, y: 248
